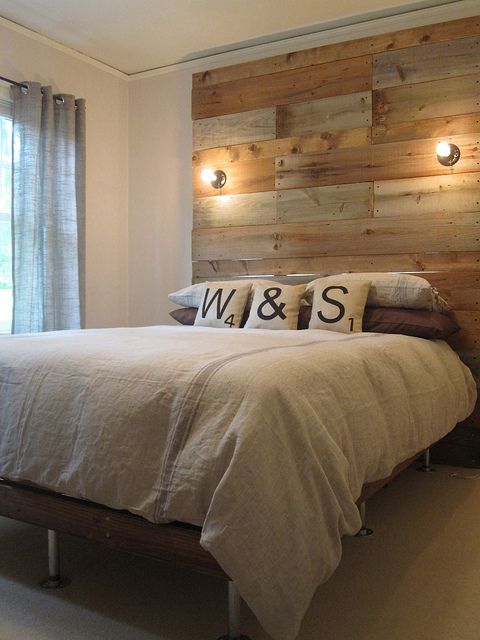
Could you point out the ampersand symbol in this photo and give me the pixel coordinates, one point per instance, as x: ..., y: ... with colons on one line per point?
x: 277, y: 309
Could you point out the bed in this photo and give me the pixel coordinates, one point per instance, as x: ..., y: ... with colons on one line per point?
x: 243, y: 453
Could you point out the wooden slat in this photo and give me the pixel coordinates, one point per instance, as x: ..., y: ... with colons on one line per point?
x: 117, y: 529
x: 424, y: 35
x: 242, y: 177
x: 342, y: 237
x: 337, y: 113
x: 320, y: 81
x: 431, y: 128
x: 468, y: 339
x: 428, y: 62
x: 323, y: 141
x: 325, y: 203
x: 376, y: 162
x: 460, y: 289
x: 236, y: 210
x: 236, y: 128
x: 220, y: 156
x: 433, y: 195
x: 435, y: 99
x: 326, y: 265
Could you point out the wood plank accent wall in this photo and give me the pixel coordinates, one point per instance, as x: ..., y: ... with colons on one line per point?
x: 331, y: 165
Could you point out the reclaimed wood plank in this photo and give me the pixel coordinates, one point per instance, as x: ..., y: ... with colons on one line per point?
x: 435, y: 99
x: 432, y: 195
x: 429, y: 62
x: 440, y: 32
x: 249, y: 176
x: 460, y: 289
x: 236, y: 128
x: 338, y: 202
x: 420, y: 263
x: 341, y: 237
x: 235, y: 210
x: 386, y: 161
x: 431, y: 128
x: 117, y: 529
x: 323, y: 141
x: 319, y: 81
x: 236, y: 153
x: 352, y: 111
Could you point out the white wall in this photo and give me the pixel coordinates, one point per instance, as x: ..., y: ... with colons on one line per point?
x: 24, y: 58
x: 160, y: 194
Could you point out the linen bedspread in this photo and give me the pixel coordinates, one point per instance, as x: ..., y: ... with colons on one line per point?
x: 264, y: 438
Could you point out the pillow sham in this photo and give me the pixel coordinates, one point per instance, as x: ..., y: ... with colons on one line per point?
x: 192, y: 295
x: 222, y: 305
x: 409, y: 322
x: 274, y: 306
x: 402, y: 290
x: 338, y: 305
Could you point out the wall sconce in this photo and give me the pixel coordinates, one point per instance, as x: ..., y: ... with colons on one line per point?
x: 447, y: 153
x: 216, y: 178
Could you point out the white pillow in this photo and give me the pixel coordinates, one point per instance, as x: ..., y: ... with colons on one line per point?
x: 401, y: 290
x: 223, y: 304
x: 192, y: 295
x: 338, y: 305
x: 274, y: 306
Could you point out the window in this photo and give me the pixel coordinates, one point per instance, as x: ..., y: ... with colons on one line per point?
x: 6, y: 294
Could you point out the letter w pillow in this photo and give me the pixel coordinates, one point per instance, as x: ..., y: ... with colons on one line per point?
x: 338, y: 305
x: 222, y: 305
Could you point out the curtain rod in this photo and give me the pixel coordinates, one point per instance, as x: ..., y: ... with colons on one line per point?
x: 17, y: 84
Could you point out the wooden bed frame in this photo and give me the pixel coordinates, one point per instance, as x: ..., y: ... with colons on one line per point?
x: 176, y: 543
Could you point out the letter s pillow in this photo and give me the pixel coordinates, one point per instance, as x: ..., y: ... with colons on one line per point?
x: 338, y: 305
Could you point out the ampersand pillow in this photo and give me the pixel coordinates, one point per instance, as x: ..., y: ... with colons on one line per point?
x: 339, y: 305
x: 274, y: 306
x: 223, y: 304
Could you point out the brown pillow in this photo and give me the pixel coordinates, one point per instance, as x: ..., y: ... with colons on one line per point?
x: 410, y: 322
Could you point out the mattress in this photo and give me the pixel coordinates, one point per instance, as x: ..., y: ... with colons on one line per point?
x: 264, y: 438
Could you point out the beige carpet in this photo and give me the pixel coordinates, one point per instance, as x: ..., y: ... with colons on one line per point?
x: 416, y: 578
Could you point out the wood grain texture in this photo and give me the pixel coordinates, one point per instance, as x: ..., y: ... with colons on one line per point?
x: 323, y: 141
x: 236, y: 128
x: 236, y: 210
x: 461, y: 289
x: 431, y: 128
x: 435, y: 99
x: 118, y: 529
x: 319, y: 81
x: 220, y: 156
x: 325, y: 203
x: 419, y: 36
x: 250, y: 176
x: 428, y: 196
x: 376, y: 162
x: 420, y: 263
x: 459, y: 57
x: 341, y: 237
x: 336, y: 113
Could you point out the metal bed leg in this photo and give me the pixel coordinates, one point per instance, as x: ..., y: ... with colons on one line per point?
x: 425, y: 467
x: 54, y: 580
x: 234, y: 604
x: 364, y: 531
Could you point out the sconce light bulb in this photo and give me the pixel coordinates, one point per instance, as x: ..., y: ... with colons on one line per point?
x: 443, y: 149
x: 208, y: 176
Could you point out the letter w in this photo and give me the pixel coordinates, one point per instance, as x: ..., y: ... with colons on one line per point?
x: 206, y: 304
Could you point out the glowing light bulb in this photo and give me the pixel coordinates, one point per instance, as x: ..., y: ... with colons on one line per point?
x: 443, y: 149
x: 208, y: 176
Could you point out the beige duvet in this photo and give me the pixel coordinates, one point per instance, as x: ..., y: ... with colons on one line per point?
x: 263, y: 437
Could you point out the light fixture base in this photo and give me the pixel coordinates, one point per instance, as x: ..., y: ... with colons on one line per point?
x: 452, y: 158
x: 220, y: 179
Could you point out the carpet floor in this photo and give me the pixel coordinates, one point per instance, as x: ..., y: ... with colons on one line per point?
x: 416, y: 578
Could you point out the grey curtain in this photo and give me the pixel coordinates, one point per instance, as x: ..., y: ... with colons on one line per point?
x: 48, y: 210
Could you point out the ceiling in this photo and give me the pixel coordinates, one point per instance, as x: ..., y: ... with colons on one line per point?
x: 137, y: 35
